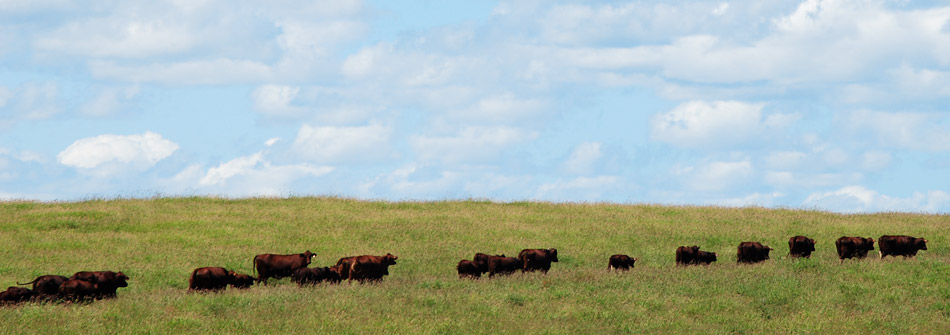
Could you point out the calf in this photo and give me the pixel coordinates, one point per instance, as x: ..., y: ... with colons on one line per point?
x: 78, y: 290
x: 15, y: 294
x: 311, y: 276
x: 46, y: 286
x: 467, y: 268
x: 686, y: 255
x: 853, y: 247
x: 371, y: 268
x: 280, y: 266
x: 900, y: 245
x: 503, y: 265
x: 705, y: 257
x: 752, y: 252
x: 537, y: 259
x: 210, y: 278
x: 800, y: 246
x: 620, y: 262
x: 240, y: 280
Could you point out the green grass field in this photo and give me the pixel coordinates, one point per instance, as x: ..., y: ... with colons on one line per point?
x: 158, y: 242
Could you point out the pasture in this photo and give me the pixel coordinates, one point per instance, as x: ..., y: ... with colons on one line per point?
x: 158, y: 242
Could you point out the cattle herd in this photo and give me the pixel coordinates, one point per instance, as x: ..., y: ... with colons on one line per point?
x: 89, y: 285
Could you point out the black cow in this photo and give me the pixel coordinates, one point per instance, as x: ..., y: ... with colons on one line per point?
x: 502, y: 265
x: 46, y: 286
x: 107, y: 282
x: 686, y: 255
x: 752, y: 252
x: 210, y: 278
x: 705, y: 257
x: 467, y: 268
x: 900, y: 245
x: 620, y: 262
x: 537, y: 259
x: 800, y: 246
x: 312, y: 276
x: 15, y: 294
x: 853, y: 247
x: 372, y: 268
x: 280, y: 266
x: 78, y: 290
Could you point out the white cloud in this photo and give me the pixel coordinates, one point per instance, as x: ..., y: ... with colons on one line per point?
x: 139, y: 151
x: 29, y: 101
x: 914, y: 131
x: 276, y: 99
x: 861, y: 199
x: 583, y: 158
x: 716, y: 175
x: 194, y: 72
x: 805, y: 180
x: 710, y: 124
x: 109, y: 101
x: 785, y: 159
x: 119, y: 38
x: 337, y: 144
x: 470, y: 144
x: 754, y: 199
x: 504, y: 108
x: 257, y: 175
x: 580, y: 188
x: 876, y: 160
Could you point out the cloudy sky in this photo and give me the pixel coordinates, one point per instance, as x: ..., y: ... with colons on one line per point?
x: 841, y: 105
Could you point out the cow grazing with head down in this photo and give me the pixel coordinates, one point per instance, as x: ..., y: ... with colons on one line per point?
x: 210, y: 278
x: 15, y: 294
x: 107, y: 282
x: 705, y: 257
x: 752, y: 252
x: 78, y: 290
x: 371, y: 268
x: 900, y: 245
x: 280, y: 266
x: 800, y: 246
x: 502, y: 265
x: 620, y: 262
x: 46, y: 286
x: 313, y: 276
x: 686, y: 255
x: 241, y: 280
x: 853, y: 247
x: 467, y: 268
x: 537, y: 259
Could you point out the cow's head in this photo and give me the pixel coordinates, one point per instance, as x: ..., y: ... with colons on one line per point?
x: 389, y: 259
x: 307, y: 256
x: 121, y: 279
x: 552, y: 254
x: 869, y: 243
x: 921, y: 243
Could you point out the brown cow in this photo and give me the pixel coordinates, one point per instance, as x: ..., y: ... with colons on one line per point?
x: 537, y: 259
x: 752, y: 252
x: 503, y: 265
x: 686, y: 255
x: 280, y: 266
x: 240, y: 280
x: 372, y: 268
x: 210, y: 278
x: 800, y: 246
x: 620, y: 262
x: 853, y: 247
x: 78, y: 290
x: 481, y: 261
x: 705, y: 257
x: 46, y: 286
x: 344, y: 264
x: 15, y: 294
x: 900, y: 245
x: 107, y: 282
x: 467, y: 268
x: 312, y: 276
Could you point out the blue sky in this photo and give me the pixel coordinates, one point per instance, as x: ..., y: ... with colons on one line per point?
x: 839, y: 105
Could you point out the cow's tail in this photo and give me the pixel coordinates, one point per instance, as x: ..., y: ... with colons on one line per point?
x: 28, y: 283
x: 191, y: 280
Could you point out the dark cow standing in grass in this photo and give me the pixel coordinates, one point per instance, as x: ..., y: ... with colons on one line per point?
x: 107, y: 282
x: 312, y: 276
x: 280, y: 266
x: 686, y: 255
x: 372, y: 268
x: 853, y: 247
x: 344, y: 264
x: 241, y: 280
x: 15, y: 294
x: 502, y: 265
x: 705, y: 257
x: 467, y: 268
x: 538, y: 259
x: 752, y: 252
x: 46, y: 286
x: 210, y: 278
x: 481, y: 261
x: 800, y: 246
x: 620, y: 262
x: 79, y: 290
x: 900, y: 245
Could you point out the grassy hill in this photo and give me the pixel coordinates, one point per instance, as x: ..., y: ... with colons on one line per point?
x: 158, y: 242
